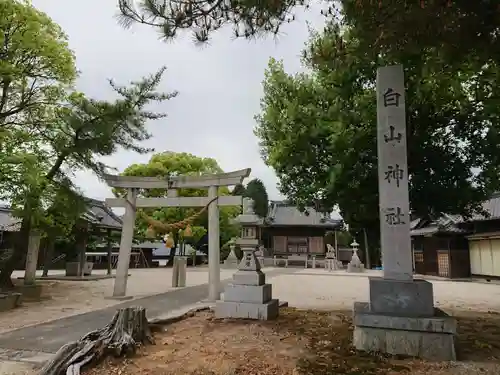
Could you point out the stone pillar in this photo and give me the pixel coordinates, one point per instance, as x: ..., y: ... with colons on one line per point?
x: 179, y: 269
x: 32, y: 258
x: 213, y: 246
x: 182, y: 269
x: 400, y: 318
x: 120, y: 287
x: 175, y: 272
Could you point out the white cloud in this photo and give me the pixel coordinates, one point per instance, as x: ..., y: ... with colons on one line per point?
x: 219, y: 85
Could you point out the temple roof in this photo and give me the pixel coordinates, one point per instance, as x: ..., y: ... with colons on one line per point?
x: 98, y: 214
x: 281, y: 213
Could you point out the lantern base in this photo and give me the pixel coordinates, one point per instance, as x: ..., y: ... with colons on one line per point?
x: 244, y: 310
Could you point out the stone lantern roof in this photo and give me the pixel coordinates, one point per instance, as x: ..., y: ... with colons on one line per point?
x: 248, y: 217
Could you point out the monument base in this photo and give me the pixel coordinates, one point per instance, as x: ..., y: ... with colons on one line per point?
x: 244, y: 310
x: 431, y: 338
x: 401, y: 297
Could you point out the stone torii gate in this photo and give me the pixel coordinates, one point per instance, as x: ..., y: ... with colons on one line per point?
x: 133, y: 183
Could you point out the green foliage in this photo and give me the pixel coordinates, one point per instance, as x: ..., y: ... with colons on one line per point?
x: 171, y: 164
x: 197, y: 234
x: 36, y: 63
x: 318, y: 130
x: 66, y: 208
x: 238, y: 190
x: 249, y: 18
x: 257, y: 191
x: 80, y: 132
x: 48, y: 130
x: 344, y: 238
x: 459, y: 29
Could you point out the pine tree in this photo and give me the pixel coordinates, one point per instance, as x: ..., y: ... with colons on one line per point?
x: 257, y: 191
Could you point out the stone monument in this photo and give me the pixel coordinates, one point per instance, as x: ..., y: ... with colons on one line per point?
x: 232, y: 260
x: 248, y: 296
x: 355, y: 264
x: 400, y: 317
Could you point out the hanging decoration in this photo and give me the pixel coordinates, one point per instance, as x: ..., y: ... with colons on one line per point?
x: 188, y: 232
x: 160, y: 227
x: 169, y: 240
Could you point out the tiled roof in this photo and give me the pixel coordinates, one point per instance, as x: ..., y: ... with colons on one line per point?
x: 97, y: 213
x: 445, y: 224
x: 451, y: 223
x: 103, y: 215
x: 283, y: 214
x: 492, y: 207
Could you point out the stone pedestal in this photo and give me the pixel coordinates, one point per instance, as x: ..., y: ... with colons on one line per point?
x: 248, y: 296
x: 400, y: 319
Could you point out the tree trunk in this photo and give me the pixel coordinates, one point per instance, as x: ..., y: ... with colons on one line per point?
x: 368, y: 263
x: 128, y: 329
x: 49, y: 254
x: 19, y: 254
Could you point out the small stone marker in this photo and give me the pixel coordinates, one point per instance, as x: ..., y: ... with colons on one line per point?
x: 400, y: 317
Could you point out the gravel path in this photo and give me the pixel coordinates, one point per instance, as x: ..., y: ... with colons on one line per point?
x: 320, y: 289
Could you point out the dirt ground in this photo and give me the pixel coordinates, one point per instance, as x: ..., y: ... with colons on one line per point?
x: 299, y: 342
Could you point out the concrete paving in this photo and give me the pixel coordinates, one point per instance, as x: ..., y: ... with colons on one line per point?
x: 49, y: 337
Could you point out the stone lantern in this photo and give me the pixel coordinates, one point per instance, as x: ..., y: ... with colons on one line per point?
x: 248, y: 296
x: 355, y: 264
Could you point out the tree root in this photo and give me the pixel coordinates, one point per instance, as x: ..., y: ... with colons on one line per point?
x: 128, y: 329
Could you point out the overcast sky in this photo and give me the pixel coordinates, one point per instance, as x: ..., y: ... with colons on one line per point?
x: 219, y: 85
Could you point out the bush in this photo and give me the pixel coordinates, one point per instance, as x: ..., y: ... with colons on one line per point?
x: 224, y: 251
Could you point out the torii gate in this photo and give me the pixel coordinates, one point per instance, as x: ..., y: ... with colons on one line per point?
x: 132, y: 202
